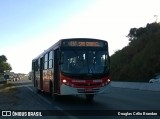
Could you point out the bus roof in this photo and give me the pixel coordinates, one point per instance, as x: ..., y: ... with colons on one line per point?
x: 57, y: 44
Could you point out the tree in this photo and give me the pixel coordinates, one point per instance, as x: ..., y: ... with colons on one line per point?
x: 3, y: 58
x: 140, y: 60
x: 4, y: 66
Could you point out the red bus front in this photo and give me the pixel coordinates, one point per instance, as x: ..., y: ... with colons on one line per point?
x: 84, y: 71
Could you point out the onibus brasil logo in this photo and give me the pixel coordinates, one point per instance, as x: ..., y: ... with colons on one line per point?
x: 21, y: 113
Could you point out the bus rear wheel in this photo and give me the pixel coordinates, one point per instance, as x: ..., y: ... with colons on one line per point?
x: 89, y: 97
x: 55, y: 97
x: 37, y: 90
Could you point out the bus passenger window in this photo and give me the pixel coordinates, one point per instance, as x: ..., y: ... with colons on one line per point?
x: 46, y: 61
x: 51, y: 59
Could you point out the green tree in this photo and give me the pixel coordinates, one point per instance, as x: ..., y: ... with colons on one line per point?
x: 4, y: 66
x: 140, y: 60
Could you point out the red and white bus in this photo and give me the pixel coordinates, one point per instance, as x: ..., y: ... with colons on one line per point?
x: 72, y: 67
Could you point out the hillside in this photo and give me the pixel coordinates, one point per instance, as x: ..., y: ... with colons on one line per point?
x: 140, y: 60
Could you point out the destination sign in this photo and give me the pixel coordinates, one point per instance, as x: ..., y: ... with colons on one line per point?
x: 84, y: 43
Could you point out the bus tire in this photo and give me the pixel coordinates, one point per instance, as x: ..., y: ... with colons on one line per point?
x: 37, y: 90
x: 55, y: 97
x: 89, y: 97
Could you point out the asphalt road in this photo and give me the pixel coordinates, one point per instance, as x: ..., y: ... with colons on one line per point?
x: 115, y: 102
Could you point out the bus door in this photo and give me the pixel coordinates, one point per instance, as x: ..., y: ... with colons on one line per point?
x: 56, y: 81
x: 34, y: 74
x: 41, y: 73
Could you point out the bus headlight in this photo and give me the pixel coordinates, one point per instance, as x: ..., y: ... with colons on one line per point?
x: 108, y: 80
x: 64, y: 81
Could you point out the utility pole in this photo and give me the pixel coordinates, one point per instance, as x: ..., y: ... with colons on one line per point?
x: 156, y: 16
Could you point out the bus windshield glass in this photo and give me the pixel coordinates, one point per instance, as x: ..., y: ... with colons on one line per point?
x: 87, y: 62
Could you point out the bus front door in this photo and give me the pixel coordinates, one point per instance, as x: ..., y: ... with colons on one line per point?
x: 56, y: 79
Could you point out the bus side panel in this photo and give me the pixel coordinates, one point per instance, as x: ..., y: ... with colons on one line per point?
x: 47, y: 78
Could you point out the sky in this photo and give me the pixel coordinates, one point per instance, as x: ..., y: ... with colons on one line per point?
x: 28, y: 27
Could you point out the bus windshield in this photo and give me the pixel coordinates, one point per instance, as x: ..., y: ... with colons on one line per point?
x: 84, y: 62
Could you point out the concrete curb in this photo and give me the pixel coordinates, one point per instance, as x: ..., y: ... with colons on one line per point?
x: 136, y: 85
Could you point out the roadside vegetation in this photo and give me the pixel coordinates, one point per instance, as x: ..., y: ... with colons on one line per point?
x: 4, y: 66
x: 8, y: 96
x: 140, y: 60
x: 7, y: 88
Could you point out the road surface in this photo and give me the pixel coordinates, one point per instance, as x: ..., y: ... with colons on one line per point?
x: 115, y: 102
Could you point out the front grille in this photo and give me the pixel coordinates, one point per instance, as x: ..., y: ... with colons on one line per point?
x: 95, y: 90
x: 97, y: 84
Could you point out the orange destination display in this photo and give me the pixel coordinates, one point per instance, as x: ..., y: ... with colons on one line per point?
x: 83, y: 43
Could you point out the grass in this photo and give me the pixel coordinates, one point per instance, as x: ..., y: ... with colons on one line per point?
x: 7, y: 88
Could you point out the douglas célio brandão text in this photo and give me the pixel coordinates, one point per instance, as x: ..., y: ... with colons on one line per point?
x: 138, y: 113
